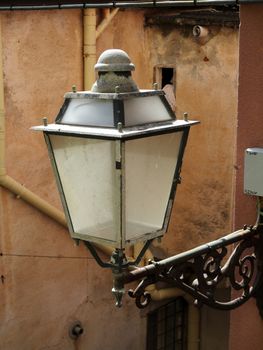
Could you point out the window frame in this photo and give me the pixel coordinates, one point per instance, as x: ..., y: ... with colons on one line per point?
x: 159, y: 326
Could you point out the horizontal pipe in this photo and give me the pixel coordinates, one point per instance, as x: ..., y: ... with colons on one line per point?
x: 40, y: 204
x: 128, y: 4
x: 231, y: 238
x: 31, y: 198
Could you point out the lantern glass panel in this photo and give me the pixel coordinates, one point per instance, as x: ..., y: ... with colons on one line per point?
x: 145, y: 110
x: 86, y: 171
x: 89, y: 111
x: 150, y: 165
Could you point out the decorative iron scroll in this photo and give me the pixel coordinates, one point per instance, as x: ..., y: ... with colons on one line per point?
x: 201, y: 271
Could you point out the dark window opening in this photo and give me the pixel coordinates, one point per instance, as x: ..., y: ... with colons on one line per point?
x: 167, y: 76
x: 167, y: 327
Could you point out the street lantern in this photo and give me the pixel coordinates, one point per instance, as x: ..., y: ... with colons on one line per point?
x: 117, y: 153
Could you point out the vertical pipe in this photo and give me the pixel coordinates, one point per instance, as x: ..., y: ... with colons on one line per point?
x: 193, y: 336
x: 2, y: 113
x: 89, y: 50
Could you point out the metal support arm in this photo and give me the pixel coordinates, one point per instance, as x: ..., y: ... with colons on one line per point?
x: 203, y: 270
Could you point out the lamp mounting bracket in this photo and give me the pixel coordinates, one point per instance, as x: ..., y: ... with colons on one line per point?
x: 201, y: 271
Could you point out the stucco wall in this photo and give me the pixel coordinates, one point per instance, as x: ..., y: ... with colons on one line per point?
x: 49, y: 282
x: 206, y: 88
x: 246, y: 325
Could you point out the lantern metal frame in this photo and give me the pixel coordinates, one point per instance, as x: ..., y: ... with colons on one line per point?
x: 117, y: 98
x: 119, y: 133
x: 119, y: 137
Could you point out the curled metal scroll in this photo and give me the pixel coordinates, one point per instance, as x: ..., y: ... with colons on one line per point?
x: 201, y: 272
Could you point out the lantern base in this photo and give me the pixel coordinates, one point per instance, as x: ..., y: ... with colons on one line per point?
x: 119, y: 265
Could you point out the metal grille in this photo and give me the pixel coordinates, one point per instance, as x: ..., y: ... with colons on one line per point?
x: 166, y: 327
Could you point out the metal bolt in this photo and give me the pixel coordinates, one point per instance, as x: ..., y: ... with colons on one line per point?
x: 186, y: 116
x: 74, y: 88
x: 75, y: 330
x: 119, y: 126
x: 155, y: 86
x: 117, y: 89
x: 45, y: 121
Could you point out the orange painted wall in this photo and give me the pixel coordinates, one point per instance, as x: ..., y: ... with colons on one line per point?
x: 206, y: 83
x: 48, y: 281
x: 246, y: 331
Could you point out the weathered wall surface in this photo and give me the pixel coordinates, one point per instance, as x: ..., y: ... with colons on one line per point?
x: 48, y: 282
x: 206, y: 87
x: 246, y: 325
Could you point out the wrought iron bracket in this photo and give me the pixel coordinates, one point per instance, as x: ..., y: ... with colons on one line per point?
x: 201, y: 271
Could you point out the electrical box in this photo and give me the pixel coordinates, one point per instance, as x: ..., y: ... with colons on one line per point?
x: 253, y: 172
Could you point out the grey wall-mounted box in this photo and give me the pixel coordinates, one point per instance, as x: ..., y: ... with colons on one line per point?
x: 253, y: 172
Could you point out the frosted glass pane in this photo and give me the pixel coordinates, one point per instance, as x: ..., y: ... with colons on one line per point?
x: 87, y: 173
x: 150, y: 167
x: 145, y: 110
x: 89, y: 112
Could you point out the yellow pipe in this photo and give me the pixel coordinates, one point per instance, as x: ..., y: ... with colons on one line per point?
x: 193, y: 329
x: 193, y: 337
x: 42, y: 205
x: 136, y: 251
x: 2, y: 112
x: 89, y: 49
x: 31, y: 198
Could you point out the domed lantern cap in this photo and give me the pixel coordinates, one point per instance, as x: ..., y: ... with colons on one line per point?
x: 114, y: 70
x: 114, y: 60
